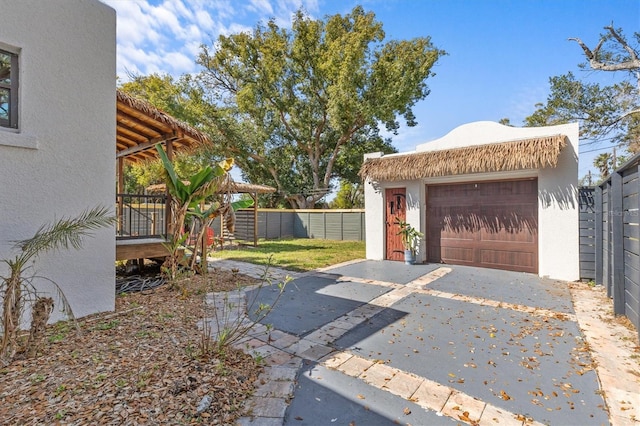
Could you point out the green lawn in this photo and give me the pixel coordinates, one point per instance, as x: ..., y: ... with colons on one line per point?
x: 300, y: 254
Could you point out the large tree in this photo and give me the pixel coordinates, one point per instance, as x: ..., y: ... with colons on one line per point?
x: 604, y: 112
x: 307, y: 93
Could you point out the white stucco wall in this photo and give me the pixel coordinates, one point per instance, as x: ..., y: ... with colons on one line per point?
x: 61, y: 161
x: 558, y: 212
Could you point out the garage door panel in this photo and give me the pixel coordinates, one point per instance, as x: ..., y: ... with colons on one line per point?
x: 501, y: 259
x: 457, y: 255
x: 508, y: 237
x: 504, y: 189
x: 446, y: 191
x: 491, y: 224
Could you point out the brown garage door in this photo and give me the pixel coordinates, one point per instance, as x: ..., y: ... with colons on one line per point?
x: 488, y: 224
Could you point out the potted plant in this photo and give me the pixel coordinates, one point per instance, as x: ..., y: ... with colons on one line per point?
x: 410, y: 241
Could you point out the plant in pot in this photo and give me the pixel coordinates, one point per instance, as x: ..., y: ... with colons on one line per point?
x: 410, y: 241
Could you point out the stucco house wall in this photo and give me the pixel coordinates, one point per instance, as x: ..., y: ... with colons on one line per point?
x: 558, y: 211
x: 60, y: 161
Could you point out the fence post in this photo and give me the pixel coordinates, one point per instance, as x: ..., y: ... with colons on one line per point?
x: 617, y: 243
x: 599, y: 240
x: 153, y: 223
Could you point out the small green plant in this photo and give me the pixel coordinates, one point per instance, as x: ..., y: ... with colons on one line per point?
x: 60, y: 389
x: 121, y: 383
x: 37, y: 378
x: 258, y: 357
x: 229, y: 313
x: 107, y: 325
x: 55, y: 338
x: 60, y: 414
x: 143, y: 379
x: 61, y: 330
x: 410, y: 236
x: 190, y: 351
x: 17, y: 290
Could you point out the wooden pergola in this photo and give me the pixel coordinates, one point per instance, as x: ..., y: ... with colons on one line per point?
x: 139, y: 127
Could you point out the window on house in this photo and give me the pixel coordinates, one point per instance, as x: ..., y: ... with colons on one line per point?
x: 8, y: 89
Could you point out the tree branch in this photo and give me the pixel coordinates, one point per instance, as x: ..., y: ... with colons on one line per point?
x: 631, y: 64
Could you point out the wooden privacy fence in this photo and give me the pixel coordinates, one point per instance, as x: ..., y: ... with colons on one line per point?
x: 322, y: 224
x: 616, y: 229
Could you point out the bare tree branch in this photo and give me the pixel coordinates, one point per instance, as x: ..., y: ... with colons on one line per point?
x: 632, y: 64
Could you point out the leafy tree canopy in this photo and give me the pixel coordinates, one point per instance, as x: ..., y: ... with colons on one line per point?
x: 350, y: 196
x: 307, y: 94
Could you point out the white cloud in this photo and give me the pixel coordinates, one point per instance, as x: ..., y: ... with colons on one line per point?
x: 164, y: 36
x: 260, y: 6
x: 203, y: 19
x: 164, y: 18
x: 179, y: 63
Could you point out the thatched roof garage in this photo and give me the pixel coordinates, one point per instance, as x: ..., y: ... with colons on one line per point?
x: 522, y: 154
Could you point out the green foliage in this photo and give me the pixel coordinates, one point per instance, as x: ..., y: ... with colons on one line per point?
x: 349, y: 196
x: 597, y: 108
x: 18, y: 289
x: 183, y: 99
x: 606, y: 163
x: 185, y: 197
x: 351, y: 156
x: 107, y: 325
x: 302, y: 95
x: 410, y: 236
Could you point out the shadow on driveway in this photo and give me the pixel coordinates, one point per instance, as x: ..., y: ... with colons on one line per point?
x: 536, y: 366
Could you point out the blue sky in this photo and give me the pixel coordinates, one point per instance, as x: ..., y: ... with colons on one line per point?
x: 501, y: 53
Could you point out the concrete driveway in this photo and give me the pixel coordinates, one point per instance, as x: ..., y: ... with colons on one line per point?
x: 378, y: 342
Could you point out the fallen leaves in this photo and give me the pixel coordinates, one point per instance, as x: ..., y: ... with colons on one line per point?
x: 138, y: 365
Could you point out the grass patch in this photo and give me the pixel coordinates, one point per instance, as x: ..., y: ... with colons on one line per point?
x: 300, y: 254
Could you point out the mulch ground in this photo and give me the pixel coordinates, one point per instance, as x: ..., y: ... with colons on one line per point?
x: 145, y: 363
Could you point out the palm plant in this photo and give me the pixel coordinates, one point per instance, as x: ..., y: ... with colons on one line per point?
x: 17, y: 289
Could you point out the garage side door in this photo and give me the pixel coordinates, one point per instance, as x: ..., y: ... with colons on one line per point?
x: 487, y: 224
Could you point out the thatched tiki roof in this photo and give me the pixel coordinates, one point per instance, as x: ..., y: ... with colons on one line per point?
x: 535, y: 153
x: 140, y: 125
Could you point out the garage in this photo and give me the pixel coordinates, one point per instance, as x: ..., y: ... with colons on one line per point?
x: 486, y: 224
x: 485, y: 195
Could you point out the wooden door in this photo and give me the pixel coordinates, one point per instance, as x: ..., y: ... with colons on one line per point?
x: 396, y: 208
x: 487, y: 224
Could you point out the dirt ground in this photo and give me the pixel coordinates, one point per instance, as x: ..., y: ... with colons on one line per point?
x: 145, y: 363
